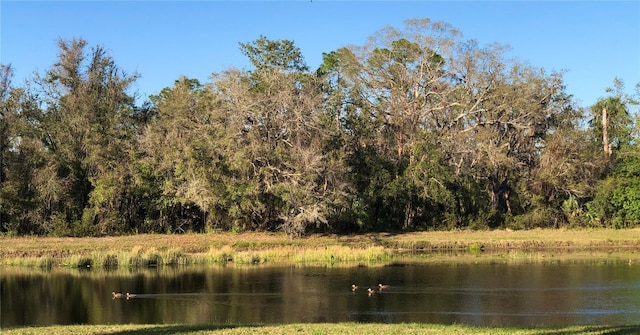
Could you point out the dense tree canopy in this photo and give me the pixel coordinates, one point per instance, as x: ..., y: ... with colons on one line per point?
x: 416, y: 129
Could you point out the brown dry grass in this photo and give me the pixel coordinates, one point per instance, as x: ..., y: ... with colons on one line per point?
x: 523, y: 239
x: 495, y: 240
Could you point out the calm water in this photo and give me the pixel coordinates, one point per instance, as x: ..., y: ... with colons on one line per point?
x: 585, y: 292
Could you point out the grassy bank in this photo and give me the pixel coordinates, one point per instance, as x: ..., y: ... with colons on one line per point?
x: 258, y: 248
x: 322, y: 328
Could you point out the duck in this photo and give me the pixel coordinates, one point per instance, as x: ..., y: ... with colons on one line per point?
x: 370, y: 291
x: 116, y: 295
x: 131, y: 295
x: 354, y: 287
x: 383, y: 287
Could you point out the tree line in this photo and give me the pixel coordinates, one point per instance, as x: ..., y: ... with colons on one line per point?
x: 417, y: 129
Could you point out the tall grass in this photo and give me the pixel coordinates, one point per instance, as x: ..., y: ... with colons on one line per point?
x: 141, y: 251
x: 341, y: 254
x: 323, y: 328
x: 139, y: 257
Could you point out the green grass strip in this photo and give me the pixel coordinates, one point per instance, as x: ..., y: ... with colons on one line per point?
x: 320, y: 328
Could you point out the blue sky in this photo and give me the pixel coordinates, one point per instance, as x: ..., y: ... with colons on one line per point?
x: 161, y: 40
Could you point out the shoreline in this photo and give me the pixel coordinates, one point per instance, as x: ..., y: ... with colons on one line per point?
x: 260, y: 247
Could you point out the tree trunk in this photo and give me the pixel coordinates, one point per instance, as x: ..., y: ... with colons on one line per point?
x: 507, y: 202
x: 605, y: 136
x: 399, y: 145
x: 409, y: 214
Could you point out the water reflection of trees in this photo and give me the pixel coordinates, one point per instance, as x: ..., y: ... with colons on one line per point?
x: 483, y: 293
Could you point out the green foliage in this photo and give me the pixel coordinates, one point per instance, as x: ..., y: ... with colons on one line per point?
x: 267, y: 54
x: 619, y: 120
x: 627, y: 200
x: 545, y: 217
x: 617, y: 201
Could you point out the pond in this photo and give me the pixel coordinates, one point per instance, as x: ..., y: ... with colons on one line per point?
x: 490, y: 293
